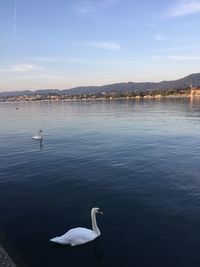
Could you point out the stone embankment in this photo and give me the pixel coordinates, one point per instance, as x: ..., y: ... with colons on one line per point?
x: 5, y: 260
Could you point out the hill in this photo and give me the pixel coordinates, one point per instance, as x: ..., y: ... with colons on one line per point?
x: 193, y: 79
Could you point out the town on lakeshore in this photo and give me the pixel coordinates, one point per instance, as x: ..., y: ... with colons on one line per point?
x: 186, y: 92
x: 188, y: 86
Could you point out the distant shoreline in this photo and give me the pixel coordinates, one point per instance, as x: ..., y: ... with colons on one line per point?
x: 103, y: 95
x: 101, y: 99
x: 134, y: 95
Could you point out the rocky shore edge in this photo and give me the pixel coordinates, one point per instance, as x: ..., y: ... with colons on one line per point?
x: 5, y: 260
x: 9, y: 257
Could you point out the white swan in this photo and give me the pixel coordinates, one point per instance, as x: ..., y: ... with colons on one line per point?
x: 39, y: 136
x: 80, y: 235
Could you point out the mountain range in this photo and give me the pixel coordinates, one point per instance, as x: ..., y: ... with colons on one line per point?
x: 182, y: 83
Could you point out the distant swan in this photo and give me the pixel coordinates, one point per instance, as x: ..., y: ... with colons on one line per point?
x: 39, y: 136
x: 80, y: 235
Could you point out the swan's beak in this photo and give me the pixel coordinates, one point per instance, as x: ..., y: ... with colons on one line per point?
x: 101, y: 212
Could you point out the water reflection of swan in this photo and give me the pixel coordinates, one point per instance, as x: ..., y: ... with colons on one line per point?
x: 80, y: 235
x: 39, y: 136
x: 41, y: 144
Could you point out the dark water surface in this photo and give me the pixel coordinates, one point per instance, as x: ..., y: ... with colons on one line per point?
x: 139, y: 161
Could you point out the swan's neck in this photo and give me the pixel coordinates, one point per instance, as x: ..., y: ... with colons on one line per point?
x: 94, y: 223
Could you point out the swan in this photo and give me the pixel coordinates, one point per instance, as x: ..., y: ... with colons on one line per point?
x: 80, y: 235
x: 39, y: 136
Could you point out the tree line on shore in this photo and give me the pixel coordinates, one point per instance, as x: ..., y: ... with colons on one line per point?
x: 103, y: 95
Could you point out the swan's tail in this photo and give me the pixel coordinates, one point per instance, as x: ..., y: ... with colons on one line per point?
x: 55, y: 239
x: 58, y: 240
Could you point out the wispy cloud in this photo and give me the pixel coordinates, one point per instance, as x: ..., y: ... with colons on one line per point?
x: 108, y: 3
x: 80, y: 60
x: 85, y: 10
x: 177, y: 57
x: 21, y: 68
x: 45, y: 59
x: 43, y: 76
x: 106, y: 45
x: 86, y: 7
x: 184, y: 7
x: 101, y: 45
x: 151, y: 24
x: 58, y: 60
x: 180, y: 48
x: 15, y: 17
x: 160, y: 37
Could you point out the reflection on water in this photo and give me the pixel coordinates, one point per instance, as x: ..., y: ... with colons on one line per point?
x: 136, y: 160
x: 41, y: 144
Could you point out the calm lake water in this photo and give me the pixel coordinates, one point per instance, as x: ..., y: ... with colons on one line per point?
x: 139, y: 161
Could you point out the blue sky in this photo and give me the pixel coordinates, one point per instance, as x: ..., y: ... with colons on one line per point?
x: 67, y: 43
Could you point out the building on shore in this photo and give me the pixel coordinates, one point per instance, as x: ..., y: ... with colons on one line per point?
x: 195, y: 91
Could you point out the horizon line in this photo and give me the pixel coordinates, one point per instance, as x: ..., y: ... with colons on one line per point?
x: 71, y: 88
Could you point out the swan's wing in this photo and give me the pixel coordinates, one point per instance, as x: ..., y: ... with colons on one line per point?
x: 80, y: 232
x: 76, y: 236
x: 36, y: 137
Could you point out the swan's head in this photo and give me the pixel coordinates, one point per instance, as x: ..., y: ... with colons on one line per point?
x: 96, y: 210
x: 40, y: 131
